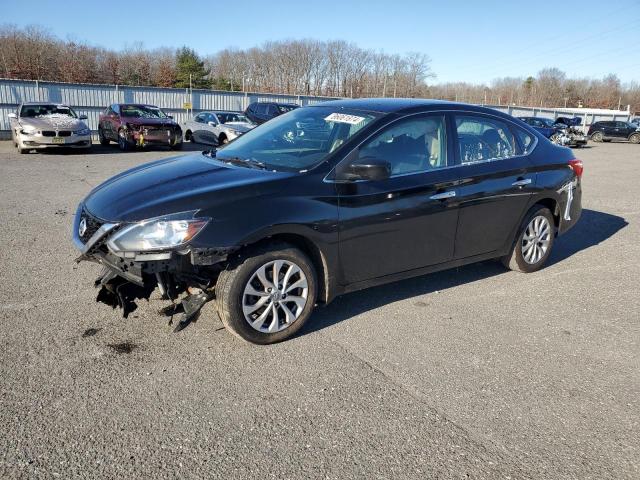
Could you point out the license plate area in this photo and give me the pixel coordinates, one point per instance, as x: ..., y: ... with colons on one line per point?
x: 57, y: 140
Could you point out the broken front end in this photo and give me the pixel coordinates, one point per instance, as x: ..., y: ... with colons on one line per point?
x: 139, y: 257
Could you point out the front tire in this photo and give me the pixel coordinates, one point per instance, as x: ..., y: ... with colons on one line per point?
x: 534, y: 242
x: 635, y: 138
x: 123, y: 143
x: 102, y: 139
x: 267, y: 296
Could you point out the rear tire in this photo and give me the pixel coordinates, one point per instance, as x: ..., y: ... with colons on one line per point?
x: 597, y: 137
x: 281, y: 306
x: 223, y: 140
x: 188, y: 136
x: 534, y: 242
x: 635, y: 138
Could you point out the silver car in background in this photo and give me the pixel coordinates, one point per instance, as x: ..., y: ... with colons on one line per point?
x: 38, y: 125
x: 216, y: 128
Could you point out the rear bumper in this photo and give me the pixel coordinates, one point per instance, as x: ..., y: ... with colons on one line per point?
x: 570, y: 205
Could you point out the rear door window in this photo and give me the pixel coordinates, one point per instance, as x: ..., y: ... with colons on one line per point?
x: 481, y: 139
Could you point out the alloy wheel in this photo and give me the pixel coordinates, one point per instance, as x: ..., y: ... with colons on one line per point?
x: 536, y: 239
x: 275, y: 296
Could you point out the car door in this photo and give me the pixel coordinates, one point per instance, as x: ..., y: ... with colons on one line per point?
x: 622, y: 130
x: 497, y: 180
x: 406, y: 221
x: 198, y: 128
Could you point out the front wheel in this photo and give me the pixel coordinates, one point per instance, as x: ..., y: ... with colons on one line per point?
x: 635, y: 138
x: 102, y: 139
x: 534, y: 243
x: 555, y: 138
x: 123, y: 142
x: 268, y: 295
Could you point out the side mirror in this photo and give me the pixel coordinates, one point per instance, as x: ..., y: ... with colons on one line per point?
x: 367, y: 168
x: 12, y: 115
x: 83, y: 117
x: 170, y: 116
x: 213, y: 124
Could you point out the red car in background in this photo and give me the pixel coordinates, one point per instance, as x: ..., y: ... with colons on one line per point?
x: 138, y: 125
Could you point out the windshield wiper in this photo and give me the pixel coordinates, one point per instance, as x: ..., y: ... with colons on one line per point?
x: 252, y: 162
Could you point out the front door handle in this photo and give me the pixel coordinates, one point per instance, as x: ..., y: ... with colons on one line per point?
x: 443, y: 195
x: 522, y: 182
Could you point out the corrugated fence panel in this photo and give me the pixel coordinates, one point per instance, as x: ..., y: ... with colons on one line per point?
x: 90, y: 100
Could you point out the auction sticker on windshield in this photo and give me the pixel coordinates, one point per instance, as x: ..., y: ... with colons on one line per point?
x: 344, y: 118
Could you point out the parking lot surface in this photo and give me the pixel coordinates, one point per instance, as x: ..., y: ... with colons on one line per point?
x: 476, y: 372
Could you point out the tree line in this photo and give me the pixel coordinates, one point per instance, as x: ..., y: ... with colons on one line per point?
x: 296, y: 67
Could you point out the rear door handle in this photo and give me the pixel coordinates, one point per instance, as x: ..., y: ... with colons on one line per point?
x: 522, y: 183
x: 443, y: 195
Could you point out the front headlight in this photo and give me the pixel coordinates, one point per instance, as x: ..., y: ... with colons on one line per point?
x: 83, y: 131
x: 28, y: 130
x: 157, y: 233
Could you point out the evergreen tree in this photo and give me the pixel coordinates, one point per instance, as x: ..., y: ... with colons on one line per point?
x: 188, y: 63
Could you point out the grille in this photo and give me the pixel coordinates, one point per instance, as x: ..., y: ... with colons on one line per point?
x: 93, y: 224
x: 51, y: 133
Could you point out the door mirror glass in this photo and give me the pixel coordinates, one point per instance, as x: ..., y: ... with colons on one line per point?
x: 368, y: 168
x: 212, y: 123
x: 82, y: 117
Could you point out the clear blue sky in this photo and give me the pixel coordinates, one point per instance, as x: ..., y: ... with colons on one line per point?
x: 473, y: 41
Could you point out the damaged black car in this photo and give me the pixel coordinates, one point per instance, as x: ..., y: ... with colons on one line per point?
x: 325, y: 200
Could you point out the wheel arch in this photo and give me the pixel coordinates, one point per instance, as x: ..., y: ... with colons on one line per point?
x: 309, y: 248
x: 553, y: 205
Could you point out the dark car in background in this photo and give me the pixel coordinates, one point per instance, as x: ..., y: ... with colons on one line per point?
x: 289, y: 214
x: 614, y: 130
x: 260, y: 112
x: 562, y: 131
x: 138, y: 125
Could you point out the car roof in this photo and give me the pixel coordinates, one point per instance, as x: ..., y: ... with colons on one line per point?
x: 136, y: 105
x: 406, y: 105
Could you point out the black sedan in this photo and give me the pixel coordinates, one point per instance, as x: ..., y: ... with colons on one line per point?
x: 325, y: 200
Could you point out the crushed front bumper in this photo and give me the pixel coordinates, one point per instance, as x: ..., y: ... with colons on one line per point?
x: 190, y: 273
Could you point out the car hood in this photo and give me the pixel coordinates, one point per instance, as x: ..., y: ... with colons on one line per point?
x: 177, y: 184
x: 240, y: 126
x: 53, y: 122
x: 163, y: 122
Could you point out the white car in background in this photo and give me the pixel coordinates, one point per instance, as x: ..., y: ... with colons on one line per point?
x: 216, y: 128
x: 38, y: 125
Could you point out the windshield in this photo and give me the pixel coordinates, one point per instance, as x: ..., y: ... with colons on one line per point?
x: 141, y: 111
x: 30, y: 111
x: 547, y: 122
x: 232, y: 117
x: 297, y: 140
x: 286, y: 108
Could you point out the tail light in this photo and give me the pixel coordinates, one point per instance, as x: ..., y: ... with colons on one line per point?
x: 577, y: 167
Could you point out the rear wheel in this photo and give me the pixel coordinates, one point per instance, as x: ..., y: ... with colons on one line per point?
x: 188, y: 136
x: 597, y: 137
x: 222, y: 139
x: 635, y: 138
x: 267, y: 296
x: 534, y: 243
x: 555, y: 138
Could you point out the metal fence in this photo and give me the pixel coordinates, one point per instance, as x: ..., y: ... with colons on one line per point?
x: 90, y: 100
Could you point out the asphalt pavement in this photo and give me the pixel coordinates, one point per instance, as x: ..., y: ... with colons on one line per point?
x: 475, y: 372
